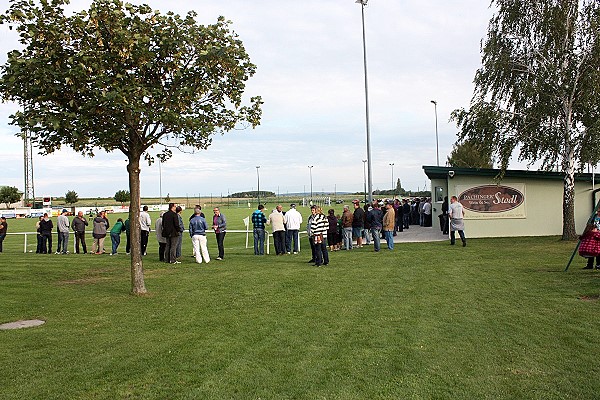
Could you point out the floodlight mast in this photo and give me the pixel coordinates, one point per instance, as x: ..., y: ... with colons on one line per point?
x: 363, y: 3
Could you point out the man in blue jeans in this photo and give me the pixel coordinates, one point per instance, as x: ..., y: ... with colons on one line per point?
x: 63, y: 225
x: 388, y: 225
x: 375, y: 218
x: 258, y: 221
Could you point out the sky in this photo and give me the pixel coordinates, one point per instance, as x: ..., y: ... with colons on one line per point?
x: 310, y: 74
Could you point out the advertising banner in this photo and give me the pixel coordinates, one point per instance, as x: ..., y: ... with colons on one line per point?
x: 492, y: 201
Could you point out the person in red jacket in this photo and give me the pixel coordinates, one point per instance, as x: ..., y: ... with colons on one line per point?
x: 589, y: 246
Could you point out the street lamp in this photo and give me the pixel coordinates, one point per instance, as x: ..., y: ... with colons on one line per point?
x: 437, y: 146
x: 258, y: 182
x: 363, y: 3
x: 393, y: 189
x: 365, y: 177
x: 310, y: 167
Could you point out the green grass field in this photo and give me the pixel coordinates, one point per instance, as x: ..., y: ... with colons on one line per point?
x: 498, y: 319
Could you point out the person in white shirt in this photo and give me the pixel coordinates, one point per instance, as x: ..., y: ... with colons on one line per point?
x: 427, y: 212
x: 145, y: 223
x: 293, y: 220
x: 456, y: 214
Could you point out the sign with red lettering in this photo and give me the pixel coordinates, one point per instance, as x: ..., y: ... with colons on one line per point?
x: 491, y: 198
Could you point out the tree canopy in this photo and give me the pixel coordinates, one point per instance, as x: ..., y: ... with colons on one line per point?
x: 538, y: 90
x: 71, y: 197
x: 470, y: 154
x: 122, y: 196
x: 122, y: 77
x: 9, y: 195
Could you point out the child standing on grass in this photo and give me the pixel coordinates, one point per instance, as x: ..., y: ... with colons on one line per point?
x: 115, y: 235
x: 589, y: 246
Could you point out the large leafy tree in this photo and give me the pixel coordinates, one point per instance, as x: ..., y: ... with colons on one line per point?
x: 538, y: 90
x: 120, y: 77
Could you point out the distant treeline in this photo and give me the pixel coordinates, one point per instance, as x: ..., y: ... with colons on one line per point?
x: 252, y: 194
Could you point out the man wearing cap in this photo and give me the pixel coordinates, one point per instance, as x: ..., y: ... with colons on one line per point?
x: 293, y: 220
x: 62, y: 223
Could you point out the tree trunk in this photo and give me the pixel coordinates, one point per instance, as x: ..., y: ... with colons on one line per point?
x: 137, y: 269
x: 569, y: 197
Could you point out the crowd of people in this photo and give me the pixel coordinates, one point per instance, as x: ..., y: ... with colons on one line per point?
x: 364, y: 225
x: 382, y: 219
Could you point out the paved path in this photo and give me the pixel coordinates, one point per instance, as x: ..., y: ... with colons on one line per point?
x: 418, y: 233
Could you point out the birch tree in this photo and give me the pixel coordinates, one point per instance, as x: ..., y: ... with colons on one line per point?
x: 537, y: 92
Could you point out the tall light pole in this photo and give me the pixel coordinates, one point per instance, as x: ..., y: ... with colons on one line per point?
x: 258, y: 182
x: 393, y: 189
x: 363, y: 3
x: 310, y: 167
x: 365, y: 177
x: 437, y: 146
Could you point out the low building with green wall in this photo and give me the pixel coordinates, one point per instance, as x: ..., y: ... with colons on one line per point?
x: 522, y: 203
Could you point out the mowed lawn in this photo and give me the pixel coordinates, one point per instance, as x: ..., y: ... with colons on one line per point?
x: 498, y: 319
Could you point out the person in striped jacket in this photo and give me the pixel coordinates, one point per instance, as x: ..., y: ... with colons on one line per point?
x: 318, y: 230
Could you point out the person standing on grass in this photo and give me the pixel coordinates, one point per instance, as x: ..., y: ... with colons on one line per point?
x: 62, y: 223
x: 219, y: 226
x: 78, y: 224
x: 38, y: 250
x: 358, y: 223
x: 197, y: 229
x: 318, y: 229
x: 145, y: 223
x: 310, y: 234
x: 375, y: 217
x: 456, y: 214
x: 101, y: 226
x: 162, y: 242
x: 115, y: 235
x: 293, y: 221
x: 347, y: 228
x: 258, y: 230
x: 171, y: 231
x: 127, y: 227
x: 332, y: 239
x: 277, y: 222
x: 46, y: 227
x: 178, y: 210
x: 389, y: 223
x: 3, y: 230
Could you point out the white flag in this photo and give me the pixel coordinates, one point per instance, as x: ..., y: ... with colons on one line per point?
x: 247, y: 221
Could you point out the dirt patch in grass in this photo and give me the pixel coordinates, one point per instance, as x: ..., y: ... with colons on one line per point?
x: 591, y: 297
